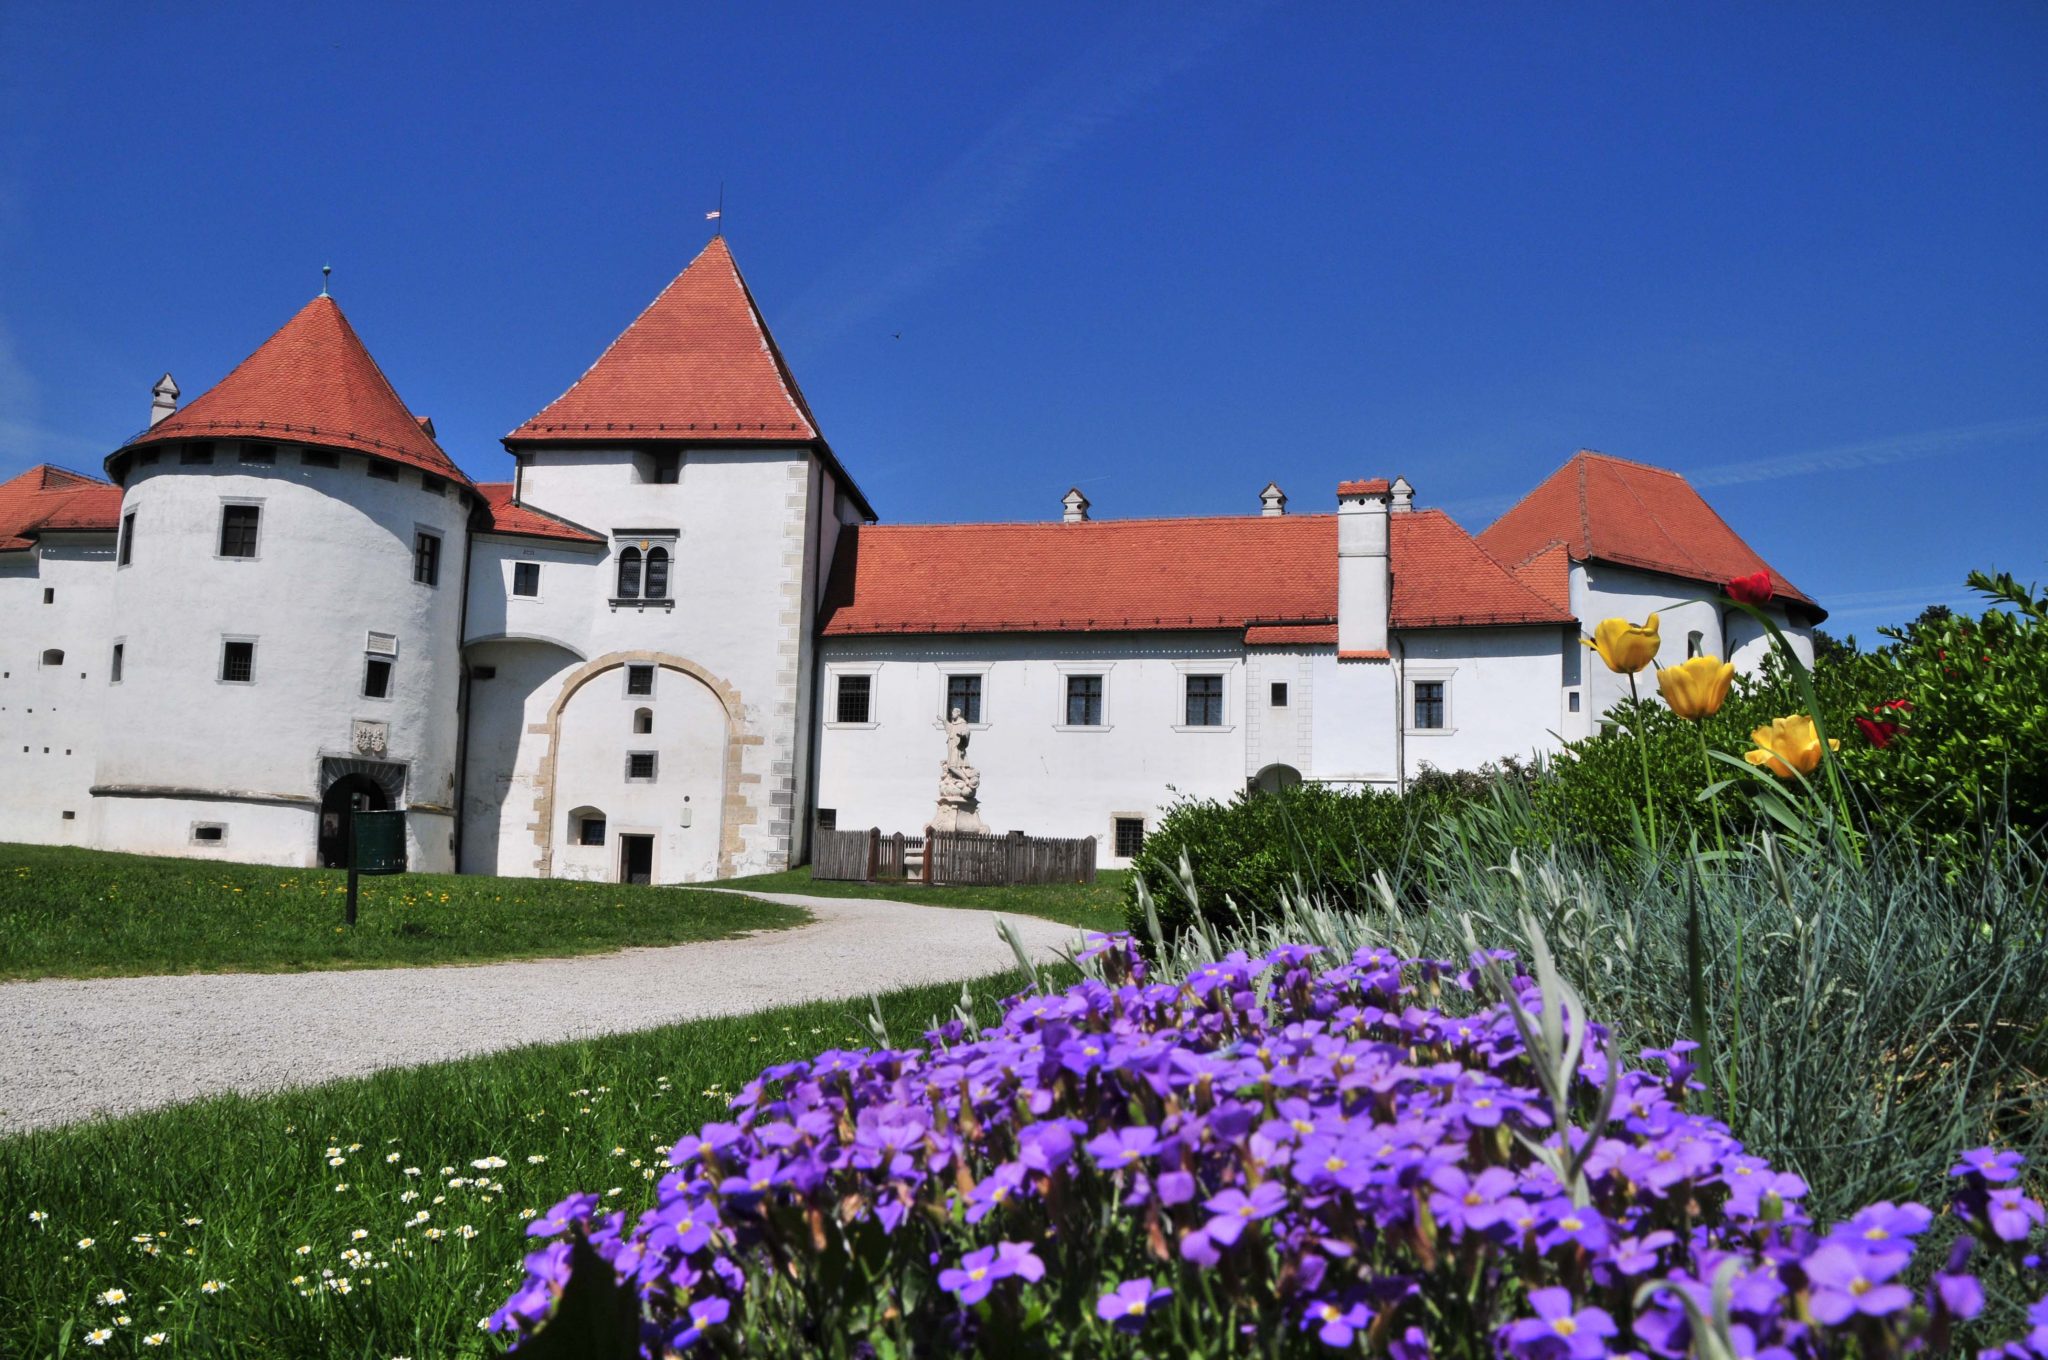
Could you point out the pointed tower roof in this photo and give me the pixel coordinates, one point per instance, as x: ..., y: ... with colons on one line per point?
x: 698, y: 364
x: 1607, y: 509
x: 312, y: 383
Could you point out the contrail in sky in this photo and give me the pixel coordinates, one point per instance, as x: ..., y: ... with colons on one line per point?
x: 1898, y: 448
x: 948, y: 223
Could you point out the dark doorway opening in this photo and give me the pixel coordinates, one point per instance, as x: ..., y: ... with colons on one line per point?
x: 346, y: 796
x: 636, y: 859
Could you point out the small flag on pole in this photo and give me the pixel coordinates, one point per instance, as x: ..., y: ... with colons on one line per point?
x: 714, y: 215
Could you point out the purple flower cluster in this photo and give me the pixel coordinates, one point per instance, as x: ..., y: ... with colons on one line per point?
x: 1292, y: 1158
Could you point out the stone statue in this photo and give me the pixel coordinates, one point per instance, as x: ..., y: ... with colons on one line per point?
x: 959, y: 782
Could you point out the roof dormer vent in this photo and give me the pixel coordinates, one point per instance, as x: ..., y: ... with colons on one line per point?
x: 163, y: 399
x: 1404, y: 495
x: 1075, y: 506
x: 1272, y: 501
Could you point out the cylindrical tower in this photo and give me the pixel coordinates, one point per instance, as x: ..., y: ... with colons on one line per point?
x: 287, y: 603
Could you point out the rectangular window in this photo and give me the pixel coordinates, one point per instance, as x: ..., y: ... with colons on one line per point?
x: 319, y: 458
x: 1130, y: 836
x: 1571, y: 701
x: 828, y: 819
x: 640, y: 767
x: 376, y: 678
x: 194, y: 455
x: 49, y: 594
x: 238, y: 530
x: 147, y: 458
x: 639, y: 679
x: 856, y: 693
x: 426, y: 558
x: 964, y: 693
x: 1429, y: 704
x: 664, y: 469
x: 114, y: 666
x: 1205, y: 701
x: 125, y: 553
x: 591, y: 831
x: 1084, y: 701
x: 437, y: 485
x: 1279, y: 694
x: 483, y: 672
x: 209, y: 832
x: 259, y: 455
x: 238, y: 662
x: 526, y: 578
x: 383, y: 472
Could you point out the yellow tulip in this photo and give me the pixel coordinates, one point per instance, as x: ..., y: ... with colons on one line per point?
x: 1788, y: 744
x: 1625, y: 647
x: 1696, y: 688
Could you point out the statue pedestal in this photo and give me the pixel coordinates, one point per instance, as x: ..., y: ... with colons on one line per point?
x: 959, y: 815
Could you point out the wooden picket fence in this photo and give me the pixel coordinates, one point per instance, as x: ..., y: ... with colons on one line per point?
x: 950, y: 857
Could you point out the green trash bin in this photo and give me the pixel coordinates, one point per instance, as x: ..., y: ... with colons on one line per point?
x: 376, y: 845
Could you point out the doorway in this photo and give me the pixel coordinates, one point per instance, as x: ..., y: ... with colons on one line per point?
x: 636, y: 859
x: 346, y: 796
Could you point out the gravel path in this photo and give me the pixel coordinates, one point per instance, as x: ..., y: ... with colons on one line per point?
x: 70, y: 1050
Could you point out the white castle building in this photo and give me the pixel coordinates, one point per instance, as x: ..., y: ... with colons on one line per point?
x: 677, y: 638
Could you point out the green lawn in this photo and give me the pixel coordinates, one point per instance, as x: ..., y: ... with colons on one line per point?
x: 1088, y: 906
x: 372, y: 1218
x: 66, y: 912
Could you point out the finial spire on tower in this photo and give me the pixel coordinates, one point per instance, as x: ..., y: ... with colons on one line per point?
x: 325, y: 270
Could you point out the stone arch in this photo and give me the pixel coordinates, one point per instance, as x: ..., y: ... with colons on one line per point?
x: 735, y: 810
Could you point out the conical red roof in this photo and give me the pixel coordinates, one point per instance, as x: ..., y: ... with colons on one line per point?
x: 698, y: 364
x: 314, y: 383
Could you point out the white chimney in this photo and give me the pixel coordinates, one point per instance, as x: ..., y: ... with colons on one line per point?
x: 163, y: 399
x: 1272, y: 501
x: 1076, y: 506
x: 1362, y: 580
x: 1404, y: 496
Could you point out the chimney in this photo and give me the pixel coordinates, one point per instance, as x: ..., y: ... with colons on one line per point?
x: 1404, y: 496
x: 1272, y: 501
x: 1363, y: 584
x: 163, y: 399
x: 1076, y: 506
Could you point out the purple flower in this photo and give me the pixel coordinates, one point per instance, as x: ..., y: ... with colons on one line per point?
x: 1123, y: 1147
x: 1558, y: 1330
x: 1336, y: 1324
x: 575, y: 1209
x: 979, y: 1271
x: 1234, y: 1210
x: 1125, y: 1306
x: 2012, y: 1215
x: 1993, y: 1164
x: 704, y: 1316
x: 1560, y: 1221
x: 1847, y: 1283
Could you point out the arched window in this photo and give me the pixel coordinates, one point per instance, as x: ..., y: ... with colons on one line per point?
x: 643, y: 720
x: 629, y: 574
x: 54, y: 657
x: 586, y: 824
x: 1695, y: 643
x: 657, y: 573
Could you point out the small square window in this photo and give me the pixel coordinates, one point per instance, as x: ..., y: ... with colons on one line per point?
x: 640, y: 767
x: 114, y: 666
x: 964, y: 693
x: 323, y: 458
x: 856, y: 695
x: 209, y: 832
x: 664, y: 469
x: 437, y: 485
x: 483, y: 672
x: 238, y: 663
x: 148, y: 457
x: 426, y: 558
x: 1130, y: 836
x: 526, y: 578
x: 1429, y: 705
x: 1279, y: 694
x: 828, y: 819
x: 1205, y: 701
x: 590, y: 831
x: 69, y: 815
x: 382, y: 471
x: 49, y: 594
x: 238, y: 524
x: 639, y: 679
x: 376, y: 678
x: 259, y: 455
x: 1571, y: 701
x: 1084, y: 701
x: 196, y: 455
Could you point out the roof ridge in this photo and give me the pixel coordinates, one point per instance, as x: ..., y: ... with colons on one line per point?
x: 1650, y: 517
x: 1086, y: 524
x: 1630, y: 462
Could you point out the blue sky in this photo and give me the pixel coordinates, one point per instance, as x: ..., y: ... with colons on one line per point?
x: 1167, y: 252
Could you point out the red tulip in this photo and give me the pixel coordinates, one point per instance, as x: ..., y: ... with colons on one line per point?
x: 1880, y: 733
x: 1752, y: 589
x: 1901, y: 705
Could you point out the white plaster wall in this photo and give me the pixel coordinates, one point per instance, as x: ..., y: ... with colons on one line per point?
x: 1035, y: 777
x: 1352, y: 722
x: 680, y: 809
x: 49, y: 715
x: 256, y: 833
x: 1282, y: 735
x: 334, y: 562
x: 1600, y: 591
x: 742, y: 610
x: 1501, y: 692
x: 501, y: 765
x: 561, y: 614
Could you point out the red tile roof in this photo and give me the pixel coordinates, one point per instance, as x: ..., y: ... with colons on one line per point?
x: 1606, y: 509
x: 698, y: 364
x: 50, y: 498
x: 510, y: 517
x: 1242, y: 572
x: 313, y: 383
x: 1549, y: 574
x: 1375, y: 486
x: 1291, y: 635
